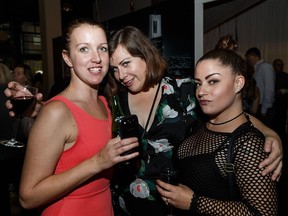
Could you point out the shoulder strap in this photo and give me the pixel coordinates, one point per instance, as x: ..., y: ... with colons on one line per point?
x: 229, y: 164
x: 151, y: 110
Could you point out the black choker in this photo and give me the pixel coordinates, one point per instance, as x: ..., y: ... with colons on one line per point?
x: 221, y: 123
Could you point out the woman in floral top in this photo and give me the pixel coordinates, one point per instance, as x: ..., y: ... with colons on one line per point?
x: 166, y: 110
x: 172, y: 120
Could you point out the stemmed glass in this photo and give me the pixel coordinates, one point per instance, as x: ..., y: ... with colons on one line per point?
x: 23, y: 100
x: 169, y: 175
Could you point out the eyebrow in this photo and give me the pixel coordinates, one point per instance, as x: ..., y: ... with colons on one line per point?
x: 125, y: 59
x: 81, y: 44
x: 104, y: 44
x: 208, y: 76
x: 212, y: 75
x: 87, y: 43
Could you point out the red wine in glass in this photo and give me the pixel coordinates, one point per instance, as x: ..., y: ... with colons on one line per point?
x: 23, y: 105
x: 23, y: 100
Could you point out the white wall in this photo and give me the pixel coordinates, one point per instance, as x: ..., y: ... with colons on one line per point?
x: 265, y: 26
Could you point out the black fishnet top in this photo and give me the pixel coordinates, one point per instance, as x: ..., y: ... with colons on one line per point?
x: 202, y: 158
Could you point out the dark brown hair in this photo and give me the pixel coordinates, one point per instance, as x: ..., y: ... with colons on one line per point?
x: 227, y: 58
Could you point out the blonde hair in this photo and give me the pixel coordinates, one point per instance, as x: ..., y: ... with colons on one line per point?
x: 5, y: 74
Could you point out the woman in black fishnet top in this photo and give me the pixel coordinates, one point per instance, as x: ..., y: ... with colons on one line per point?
x: 201, y: 159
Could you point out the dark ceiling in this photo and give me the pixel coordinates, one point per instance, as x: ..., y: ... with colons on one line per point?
x: 28, y: 10
x: 19, y: 10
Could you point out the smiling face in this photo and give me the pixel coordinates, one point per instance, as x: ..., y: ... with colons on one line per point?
x: 130, y: 71
x: 217, y: 87
x: 145, y: 66
x: 88, y: 54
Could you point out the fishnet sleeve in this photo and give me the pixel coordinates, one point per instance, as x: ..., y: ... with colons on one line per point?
x: 258, y: 192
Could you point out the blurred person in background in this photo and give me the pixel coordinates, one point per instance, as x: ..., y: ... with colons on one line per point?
x: 265, y: 78
x: 38, y: 81
x: 5, y: 77
x: 281, y: 99
x: 251, y: 93
x: 227, y: 42
x: 22, y: 74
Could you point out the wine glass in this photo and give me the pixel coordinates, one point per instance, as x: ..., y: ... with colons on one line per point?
x: 169, y: 175
x: 23, y: 100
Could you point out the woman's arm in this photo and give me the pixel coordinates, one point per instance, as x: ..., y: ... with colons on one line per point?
x: 273, y: 145
x: 47, y: 141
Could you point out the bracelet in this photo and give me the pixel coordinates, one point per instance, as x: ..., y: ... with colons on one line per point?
x: 194, y: 203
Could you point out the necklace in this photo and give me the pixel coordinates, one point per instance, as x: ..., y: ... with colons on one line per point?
x: 221, y: 123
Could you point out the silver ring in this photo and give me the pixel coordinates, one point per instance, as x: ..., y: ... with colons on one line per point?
x: 166, y: 201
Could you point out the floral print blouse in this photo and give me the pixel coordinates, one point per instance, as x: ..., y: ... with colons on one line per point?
x: 173, y: 120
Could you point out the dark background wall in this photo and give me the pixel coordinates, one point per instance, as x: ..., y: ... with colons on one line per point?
x: 176, y: 42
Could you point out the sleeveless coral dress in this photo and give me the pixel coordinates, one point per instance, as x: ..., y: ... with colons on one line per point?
x: 94, y: 196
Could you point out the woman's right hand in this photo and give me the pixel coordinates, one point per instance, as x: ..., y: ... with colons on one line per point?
x: 112, y: 153
x: 13, y: 86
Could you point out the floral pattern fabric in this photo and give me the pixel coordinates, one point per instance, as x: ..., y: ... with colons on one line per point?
x: 173, y: 120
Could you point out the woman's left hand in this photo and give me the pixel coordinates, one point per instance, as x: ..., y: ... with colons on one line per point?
x: 178, y: 196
